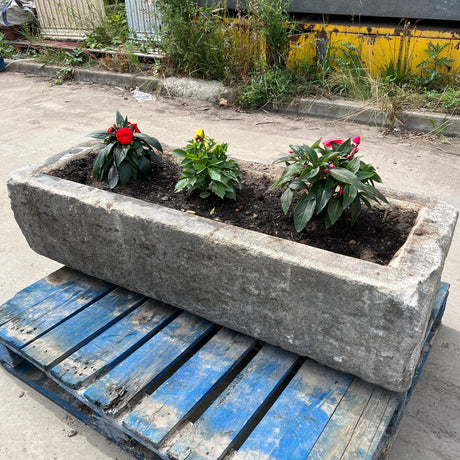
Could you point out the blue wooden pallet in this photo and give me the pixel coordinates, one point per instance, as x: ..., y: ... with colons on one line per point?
x: 163, y: 383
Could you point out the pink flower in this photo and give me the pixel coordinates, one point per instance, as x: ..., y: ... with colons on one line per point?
x: 349, y: 156
x: 291, y: 151
x: 357, y: 140
x: 332, y: 166
x: 355, y: 150
x: 329, y: 142
x: 326, y: 171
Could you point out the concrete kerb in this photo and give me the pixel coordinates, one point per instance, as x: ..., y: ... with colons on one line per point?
x: 212, y: 91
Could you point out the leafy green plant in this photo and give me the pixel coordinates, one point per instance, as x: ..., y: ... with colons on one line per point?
x: 271, y: 85
x: 113, y: 32
x: 212, y: 43
x: 125, y: 153
x: 272, y: 17
x: 434, y: 67
x: 6, y: 50
x: 326, y: 178
x: 205, y: 167
x: 193, y: 38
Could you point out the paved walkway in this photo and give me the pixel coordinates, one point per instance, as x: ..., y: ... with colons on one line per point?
x: 39, y: 120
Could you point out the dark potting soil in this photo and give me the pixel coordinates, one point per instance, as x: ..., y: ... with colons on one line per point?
x: 376, y: 237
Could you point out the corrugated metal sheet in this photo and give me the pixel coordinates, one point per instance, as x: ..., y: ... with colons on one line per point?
x: 143, y: 19
x: 69, y: 19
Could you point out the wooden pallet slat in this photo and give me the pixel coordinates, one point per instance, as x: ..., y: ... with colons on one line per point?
x: 291, y: 427
x: 381, y: 404
x: 115, y: 344
x: 30, y: 323
x: 115, y: 389
x: 71, y: 334
x: 335, y: 437
x: 64, y: 278
x: 214, y: 432
x: 160, y: 412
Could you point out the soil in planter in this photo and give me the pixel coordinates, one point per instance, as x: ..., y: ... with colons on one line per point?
x: 376, y: 237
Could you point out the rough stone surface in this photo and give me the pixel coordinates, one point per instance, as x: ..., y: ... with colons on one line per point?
x: 356, y: 316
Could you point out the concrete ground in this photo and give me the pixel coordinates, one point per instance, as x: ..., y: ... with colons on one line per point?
x: 39, y: 120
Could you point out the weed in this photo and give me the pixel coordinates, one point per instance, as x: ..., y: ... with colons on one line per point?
x: 434, y: 67
x: 6, y: 50
x: 111, y: 33
x: 272, y: 85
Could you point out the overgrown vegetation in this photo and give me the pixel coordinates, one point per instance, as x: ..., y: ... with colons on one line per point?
x: 248, y: 49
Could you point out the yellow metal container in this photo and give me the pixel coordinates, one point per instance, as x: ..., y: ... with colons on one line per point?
x: 379, y: 46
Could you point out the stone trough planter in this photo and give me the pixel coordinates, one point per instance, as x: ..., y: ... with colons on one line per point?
x: 355, y: 316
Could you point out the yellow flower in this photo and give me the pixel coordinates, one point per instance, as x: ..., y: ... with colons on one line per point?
x: 199, y: 135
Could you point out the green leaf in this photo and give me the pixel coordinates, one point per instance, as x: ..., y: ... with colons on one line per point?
x: 304, y: 212
x: 145, y: 166
x: 120, y: 119
x: 214, y: 175
x: 308, y: 174
x: 365, y: 200
x: 113, y: 176
x: 205, y: 194
x: 150, y: 140
x: 286, y: 199
x: 120, y: 153
x: 284, y: 159
x: 354, y: 165
x: 346, y: 176
x: 218, y: 188
x: 98, y: 134
x: 124, y: 171
x: 363, y: 175
x: 155, y: 158
x: 325, y: 197
x: 334, y: 211
x: 181, y: 184
x: 297, y: 184
x: 311, y: 154
x: 349, y: 195
x: 355, y: 209
x: 179, y: 152
x: 374, y: 193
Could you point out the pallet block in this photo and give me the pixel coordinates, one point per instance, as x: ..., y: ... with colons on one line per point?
x: 163, y: 383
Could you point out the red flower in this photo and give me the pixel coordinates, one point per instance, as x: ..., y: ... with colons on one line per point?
x: 326, y: 171
x: 134, y: 125
x: 357, y: 140
x: 341, y: 190
x: 329, y: 142
x: 355, y: 150
x: 111, y: 130
x: 124, y: 136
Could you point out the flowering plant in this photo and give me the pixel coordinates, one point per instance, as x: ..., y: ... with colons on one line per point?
x: 205, y: 167
x: 327, y: 178
x: 125, y: 153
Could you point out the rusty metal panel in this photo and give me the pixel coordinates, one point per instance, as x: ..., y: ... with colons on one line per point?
x: 69, y: 19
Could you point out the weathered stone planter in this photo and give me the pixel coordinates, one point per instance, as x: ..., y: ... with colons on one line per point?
x: 356, y: 316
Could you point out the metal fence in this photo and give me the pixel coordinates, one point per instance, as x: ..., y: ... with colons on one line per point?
x: 69, y: 19
x: 143, y: 19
